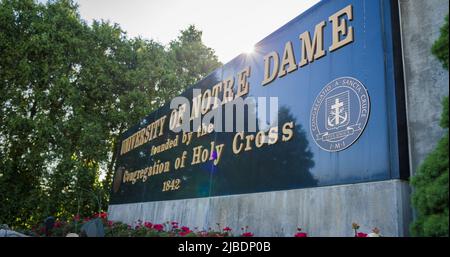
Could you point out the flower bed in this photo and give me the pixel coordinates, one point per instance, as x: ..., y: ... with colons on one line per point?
x: 62, y: 228
x: 72, y: 227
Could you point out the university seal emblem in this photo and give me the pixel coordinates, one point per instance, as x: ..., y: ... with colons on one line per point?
x: 339, y: 114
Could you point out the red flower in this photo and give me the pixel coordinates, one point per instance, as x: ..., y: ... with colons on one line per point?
x: 148, y: 224
x: 301, y: 234
x: 361, y: 234
x: 103, y: 215
x: 226, y: 229
x: 174, y: 223
x: 76, y: 218
x: 110, y: 223
x: 158, y: 227
x: 183, y: 233
x: 247, y: 234
x: 175, y: 226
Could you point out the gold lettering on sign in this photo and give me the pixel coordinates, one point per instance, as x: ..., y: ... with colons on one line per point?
x: 243, y: 85
x: 215, y: 93
x: 206, y: 101
x: 340, y: 28
x: 312, y: 50
x: 249, y: 139
x: 237, y: 148
x: 152, y: 131
x: 268, y: 76
x: 260, y: 139
x: 158, y: 167
x: 228, y: 93
x: 287, y: 131
x: 288, y: 59
x: 200, y: 154
x: 273, y: 136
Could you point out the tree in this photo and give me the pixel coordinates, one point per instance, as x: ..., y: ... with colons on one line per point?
x: 193, y: 60
x: 431, y: 195
x: 440, y: 47
x: 68, y: 90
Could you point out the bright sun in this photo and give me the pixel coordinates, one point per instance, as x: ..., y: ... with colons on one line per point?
x: 250, y: 50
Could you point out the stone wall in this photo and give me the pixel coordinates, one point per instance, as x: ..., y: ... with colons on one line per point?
x: 426, y: 82
x: 321, y: 211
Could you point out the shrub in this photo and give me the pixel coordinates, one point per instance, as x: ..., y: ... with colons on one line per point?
x: 430, y: 197
x: 440, y: 47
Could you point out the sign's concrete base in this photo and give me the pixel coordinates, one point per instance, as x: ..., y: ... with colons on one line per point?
x: 321, y: 211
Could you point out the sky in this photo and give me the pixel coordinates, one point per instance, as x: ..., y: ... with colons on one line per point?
x: 230, y: 27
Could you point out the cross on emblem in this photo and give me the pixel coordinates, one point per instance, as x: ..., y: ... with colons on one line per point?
x: 337, y: 119
x: 338, y: 110
x: 336, y: 107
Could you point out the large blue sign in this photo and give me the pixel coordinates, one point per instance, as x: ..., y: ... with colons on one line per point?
x: 336, y: 74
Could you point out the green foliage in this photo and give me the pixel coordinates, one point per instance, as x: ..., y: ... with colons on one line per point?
x: 440, y: 47
x: 68, y: 90
x: 62, y: 227
x: 193, y: 59
x: 431, y: 196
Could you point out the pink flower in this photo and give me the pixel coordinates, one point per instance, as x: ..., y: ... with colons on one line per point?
x: 301, y: 234
x: 148, y: 224
x: 247, y: 234
x: 361, y: 234
x: 158, y: 227
x: 110, y: 223
x: 183, y: 233
x: 226, y: 229
x: 174, y: 223
x: 175, y: 226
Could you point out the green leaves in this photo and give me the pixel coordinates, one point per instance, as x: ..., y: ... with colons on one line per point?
x: 68, y: 90
x: 431, y: 195
x: 192, y: 59
x: 440, y: 47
